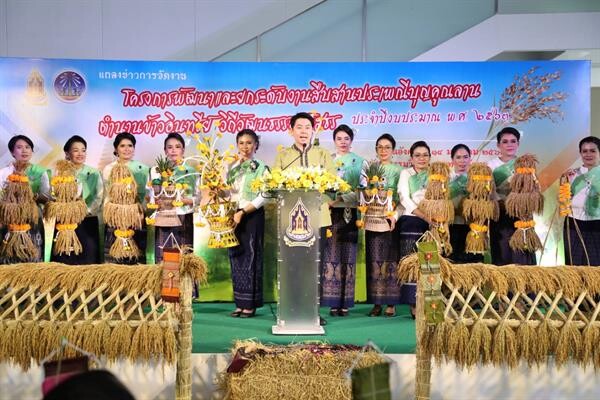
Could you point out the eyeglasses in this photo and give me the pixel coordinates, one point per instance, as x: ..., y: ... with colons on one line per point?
x: 380, y: 148
x: 421, y: 155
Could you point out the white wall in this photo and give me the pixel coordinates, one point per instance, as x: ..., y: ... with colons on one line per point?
x: 136, y: 29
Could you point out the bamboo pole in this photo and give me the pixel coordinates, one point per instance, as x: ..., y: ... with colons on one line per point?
x: 423, y: 377
x: 183, y: 382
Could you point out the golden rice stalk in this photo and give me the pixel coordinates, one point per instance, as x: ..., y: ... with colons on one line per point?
x: 66, y: 242
x: 478, y: 347
x: 477, y: 210
x: 19, y: 246
x: 438, y: 189
x: 123, y: 216
x: 589, y: 343
x: 504, y: 346
x: 124, y: 248
x: 521, y: 205
x: 546, y: 339
x: 119, y: 192
x: 569, y: 344
x: 440, y: 341
x: 476, y: 242
x: 526, y: 336
x: 194, y: 266
x: 438, y: 210
x: 17, y: 192
x: 66, y: 212
x: 441, y: 234
x: 525, y: 182
x: 409, y: 269
x: 525, y: 240
x: 120, y: 341
x: 458, y: 343
x: 478, y: 188
x: 170, y: 345
x: 18, y: 212
x: 295, y: 373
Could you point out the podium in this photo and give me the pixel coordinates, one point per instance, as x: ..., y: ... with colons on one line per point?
x: 298, y: 222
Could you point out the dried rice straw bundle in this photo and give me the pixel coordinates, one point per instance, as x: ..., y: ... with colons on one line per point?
x: 437, y: 205
x: 525, y: 238
x: 477, y: 241
x: 18, y: 211
x: 123, y: 188
x: 68, y: 209
x: 479, y: 207
x: 17, y: 204
x: 123, y: 212
x: 17, y: 244
x: 525, y: 197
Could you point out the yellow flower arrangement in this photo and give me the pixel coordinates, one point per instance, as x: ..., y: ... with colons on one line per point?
x: 19, y: 227
x: 18, y: 178
x: 525, y: 170
x: 124, y: 234
x: 300, y: 178
x: 564, y: 199
x: 66, y: 227
x: 524, y: 224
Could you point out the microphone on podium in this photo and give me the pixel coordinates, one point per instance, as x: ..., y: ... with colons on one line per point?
x: 295, y: 159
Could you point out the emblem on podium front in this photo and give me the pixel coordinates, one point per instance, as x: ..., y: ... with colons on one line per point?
x: 299, y: 232
x: 35, y: 92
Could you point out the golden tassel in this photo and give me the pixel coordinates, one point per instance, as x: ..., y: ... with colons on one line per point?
x: 124, y: 246
x: 66, y: 241
x: 18, y: 245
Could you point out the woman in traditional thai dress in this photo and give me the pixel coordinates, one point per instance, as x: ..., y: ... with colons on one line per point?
x: 412, y: 222
x: 182, y: 230
x: 582, y: 227
x: 247, y: 258
x: 381, y: 251
x: 339, y: 252
x: 461, y: 160
x: 21, y: 148
x: 90, y: 188
x: 500, y: 232
x: 124, y: 150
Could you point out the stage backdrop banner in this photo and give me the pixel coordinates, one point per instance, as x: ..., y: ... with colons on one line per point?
x: 443, y: 103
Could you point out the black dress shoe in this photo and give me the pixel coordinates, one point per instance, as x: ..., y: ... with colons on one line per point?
x: 248, y: 314
x: 334, y: 312
x: 343, y: 313
x: 322, y: 321
x: 375, y: 311
x: 236, y: 313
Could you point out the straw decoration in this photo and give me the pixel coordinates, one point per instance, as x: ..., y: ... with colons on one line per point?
x: 122, y: 212
x: 438, y: 206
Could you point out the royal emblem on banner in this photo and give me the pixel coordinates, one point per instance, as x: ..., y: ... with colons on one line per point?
x: 69, y: 86
x: 35, y: 92
x: 299, y: 232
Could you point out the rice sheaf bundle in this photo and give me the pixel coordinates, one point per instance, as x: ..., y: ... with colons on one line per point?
x: 67, y: 208
x: 438, y: 206
x: 122, y: 212
x: 479, y: 207
x: 524, y: 200
x: 18, y: 211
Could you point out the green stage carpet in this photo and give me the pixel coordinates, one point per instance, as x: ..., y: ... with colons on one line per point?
x: 214, y: 330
